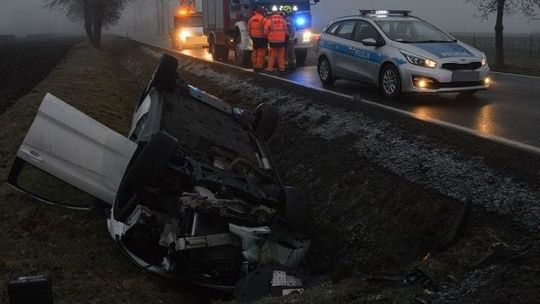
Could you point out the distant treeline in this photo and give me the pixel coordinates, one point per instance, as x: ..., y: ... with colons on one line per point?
x: 7, y: 37
x: 514, y: 44
x: 40, y: 36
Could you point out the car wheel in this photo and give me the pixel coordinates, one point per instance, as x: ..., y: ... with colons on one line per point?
x: 163, y: 78
x: 146, y: 170
x: 390, y: 82
x: 301, y: 56
x: 242, y: 58
x: 220, y: 53
x: 324, y: 70
x: 296, y: 209
x: 266, y: 121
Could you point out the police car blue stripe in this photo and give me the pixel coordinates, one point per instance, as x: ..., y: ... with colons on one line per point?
x: 357, y: 53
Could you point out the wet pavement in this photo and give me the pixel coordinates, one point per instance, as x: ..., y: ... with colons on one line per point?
x: 509, y: 109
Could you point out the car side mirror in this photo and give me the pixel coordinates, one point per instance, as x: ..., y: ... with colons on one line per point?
x: 370, y: 42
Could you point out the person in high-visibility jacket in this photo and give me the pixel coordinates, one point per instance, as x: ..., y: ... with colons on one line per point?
x: 275, y: 29
x: 260, y: 43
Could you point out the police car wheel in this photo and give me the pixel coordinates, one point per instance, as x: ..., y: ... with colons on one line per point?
x: 325, y: 71
x: 390, y: 82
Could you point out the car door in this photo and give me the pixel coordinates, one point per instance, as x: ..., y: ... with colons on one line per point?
x: 342, y: 48
x: 68, y: 158
x: 366, y: 59
x: 326, y: 45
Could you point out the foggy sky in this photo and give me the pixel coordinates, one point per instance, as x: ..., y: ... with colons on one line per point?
x: 23, y: 17
x: 28, y: 16
x: 451, y: 15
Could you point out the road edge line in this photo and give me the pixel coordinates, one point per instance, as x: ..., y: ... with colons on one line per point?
x: 493, y: 138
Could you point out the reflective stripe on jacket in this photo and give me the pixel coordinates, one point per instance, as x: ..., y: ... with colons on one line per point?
x: 256, y: 26
x: 275, y: 29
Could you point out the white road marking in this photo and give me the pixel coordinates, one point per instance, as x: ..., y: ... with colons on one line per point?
x: 515, y: 75
x: 449, y: 125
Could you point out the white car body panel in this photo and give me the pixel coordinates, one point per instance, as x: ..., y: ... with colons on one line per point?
x: 246, y: 44
x: 137, y: 115
x: 77, y: 149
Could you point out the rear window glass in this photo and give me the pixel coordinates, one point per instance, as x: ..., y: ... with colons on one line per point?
x: 347, y: 29
x: 333, y: 28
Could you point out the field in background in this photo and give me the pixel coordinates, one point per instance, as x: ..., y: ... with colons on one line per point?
x: 522, y: 52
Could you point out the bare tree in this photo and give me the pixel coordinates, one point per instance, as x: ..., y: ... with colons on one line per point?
x: 95, y: 14
x: 502, y: 8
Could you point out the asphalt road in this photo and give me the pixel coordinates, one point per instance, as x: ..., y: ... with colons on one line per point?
x: 509, y: 109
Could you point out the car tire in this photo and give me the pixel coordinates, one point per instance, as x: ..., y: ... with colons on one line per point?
x: 301, y: 56
x: 390, y: 82
x: 163, y: 78
x: 220, y: 53
x: 324, y: 69
x: 242, y: 58
x: 266, y: 121
x: 146, y: 170
x: 296, y: 209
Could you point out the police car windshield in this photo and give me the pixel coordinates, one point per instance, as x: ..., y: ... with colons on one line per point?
x: 412, y: 31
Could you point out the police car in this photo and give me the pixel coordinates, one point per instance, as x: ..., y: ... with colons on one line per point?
x: 399, y: 53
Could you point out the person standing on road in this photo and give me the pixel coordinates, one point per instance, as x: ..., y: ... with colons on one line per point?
x: 291, y: 39
x: 275, y: 29
x: 260, y: 43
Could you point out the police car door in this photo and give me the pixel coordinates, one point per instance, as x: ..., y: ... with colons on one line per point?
x: 367, y: 58
x: 342, y: 48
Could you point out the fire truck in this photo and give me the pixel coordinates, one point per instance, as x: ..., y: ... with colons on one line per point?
x: 225, y: 25
x: 188, y: 26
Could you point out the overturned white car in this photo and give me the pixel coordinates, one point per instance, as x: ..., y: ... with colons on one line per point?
x: 192, y: 192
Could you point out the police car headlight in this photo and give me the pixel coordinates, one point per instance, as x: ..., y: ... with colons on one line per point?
x: 419, y: 61
x: 307, y: 36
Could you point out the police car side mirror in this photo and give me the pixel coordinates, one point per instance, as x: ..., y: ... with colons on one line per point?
x: 370, y: 42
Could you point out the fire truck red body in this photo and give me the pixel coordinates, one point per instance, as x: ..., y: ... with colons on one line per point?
x: 224, y: 23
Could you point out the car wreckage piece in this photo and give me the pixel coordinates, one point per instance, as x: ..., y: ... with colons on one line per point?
x: 192, y: 191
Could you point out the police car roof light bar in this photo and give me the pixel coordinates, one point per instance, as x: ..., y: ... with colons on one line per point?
x: 385, y: 12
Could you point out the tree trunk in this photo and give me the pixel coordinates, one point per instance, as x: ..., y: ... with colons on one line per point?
x: 88, y: 22
x: 499, y: 36
x: 98, y: 26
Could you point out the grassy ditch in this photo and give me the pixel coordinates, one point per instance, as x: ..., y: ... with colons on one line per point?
x: 374, y: 215
x: 376, y: 212
x: 73, y: 248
